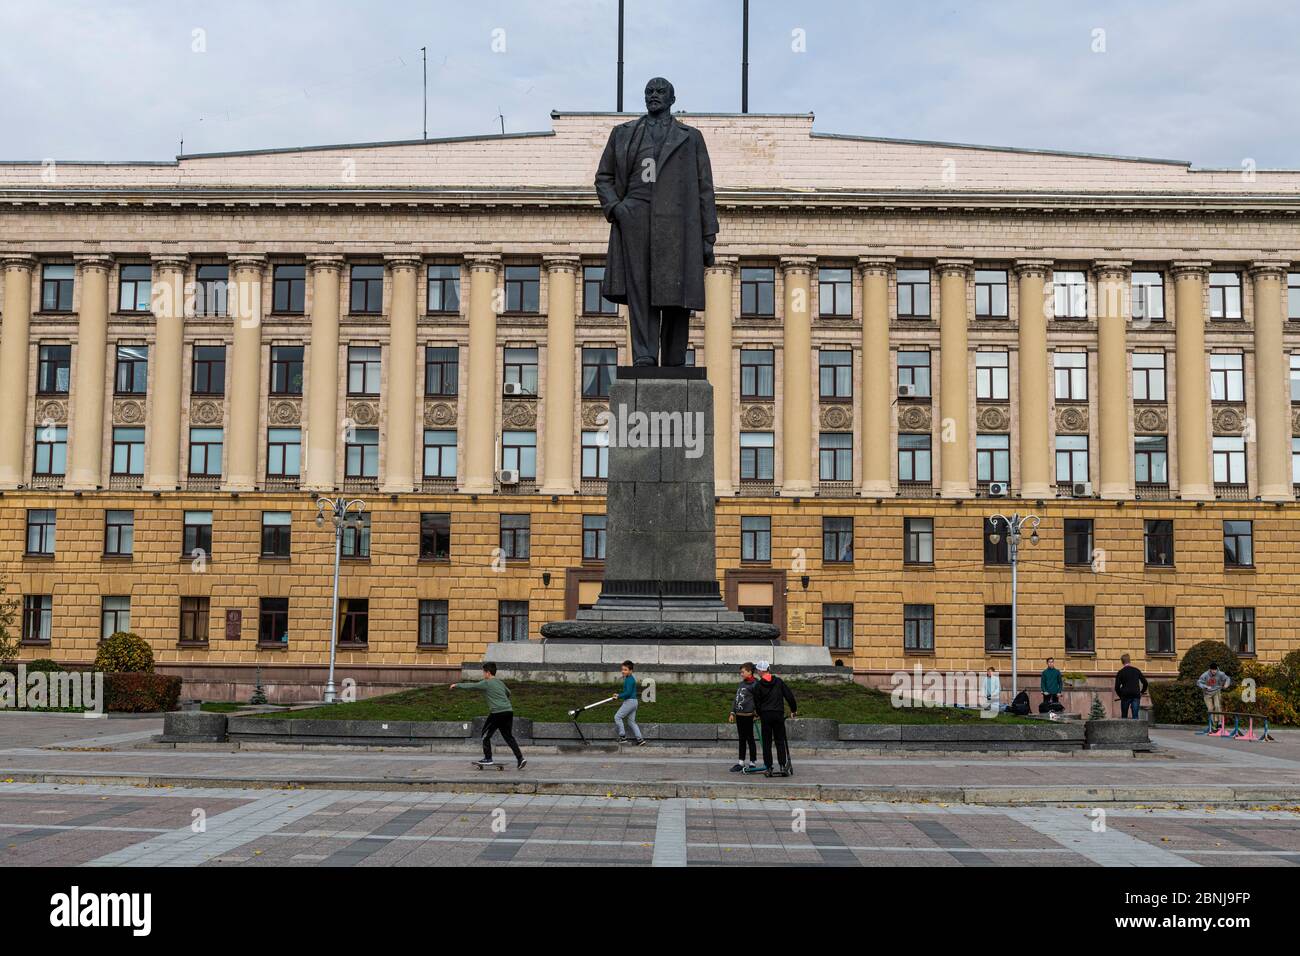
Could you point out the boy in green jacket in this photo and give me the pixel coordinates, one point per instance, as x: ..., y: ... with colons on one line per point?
x: 501, y: 714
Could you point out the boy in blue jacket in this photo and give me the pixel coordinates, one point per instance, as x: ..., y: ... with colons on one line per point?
x: 627, y: 707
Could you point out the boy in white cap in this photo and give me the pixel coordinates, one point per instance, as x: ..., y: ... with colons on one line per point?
x: 770, y: 697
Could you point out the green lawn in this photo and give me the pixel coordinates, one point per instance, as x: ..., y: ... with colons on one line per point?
x: 675, y: 703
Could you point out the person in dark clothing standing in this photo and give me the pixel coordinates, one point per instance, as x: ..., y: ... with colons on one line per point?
x: 770, y: 697
x: 1130, y: 685
x: 742, y: 715
x: 501, y: 714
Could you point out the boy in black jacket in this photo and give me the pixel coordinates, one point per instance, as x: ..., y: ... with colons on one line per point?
x: 770, y: 697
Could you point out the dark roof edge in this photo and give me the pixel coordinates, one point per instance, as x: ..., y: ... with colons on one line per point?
x: 1003, y: 149
x: 392, y: 142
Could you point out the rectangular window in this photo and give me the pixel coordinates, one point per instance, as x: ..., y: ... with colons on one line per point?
x: 356, y: 537
x: 757, y: 456
x: 1071, y: 458
x: 1229, y: 460
x: 516, y: 537
x: 756, y: 613
x: 914, y: 459
x: 1148, y: 297
x: 56, y: 287
x: 918, y: 541
x: 210, y: 283
x: 598, y: 367
x: 1080, y: 629
x: 1293, y: 295
x: 1227, y: 377
x: 441, y: 370
x: 1295, y: 377
x: 1078, y: 542
x: 51, y: 450
x: 283, y: 452
x: 758, y: 292
x: 512, y: 620
x: 835, y: 292
x: 435, y: 536
x: 38, y: 618
x: 439, y: 453
x: 196, y: 533
x: 286, y: 369
x: 1151, y: 459
x: 1148, y: 376
x: 999, y: 551
x: 523, y: 288
x: 593, y: 303
x: 837, y: 626
x: 992, y: 376
x: 273, y: 620
x: 755, y: 538
x: 1070, y: 295
x: 757, y: 373
x: 914, y: 370
x: 1239, y: 544
x: 520, y: 368
x: 128, y: 451
x: 114, y: 616
x: 444, y: 289
x: 595, y: 454
x: 1239, y: 629
x: 1225, y: 295
x: 835, y: 374
x: 997, y: 627
x: 366, y: 293
x: 990, y: 294
x: 119, y: 534
x: 40, y: 531
x: 1158, y: 542
x: 132, y: 373
x: 354, y: 620
x: 289, y: 289
x: 835, y: 456
x: 1295, y: 461
x: 361, y: 453
x: 519, y: 453
x: 135, y: 288
x: 918, y: 627
x: 1160, y: 630
x: 195, y: 612
x: 993, y: 458
x: 1071, y: 376
x: 54, y: 369
x: 208, y: 370
x: 594, y: 528
x: 913, y: 293
x: 206, y: 445
x: 276, y: 530
x: 433, y: 624
x: 364, y: 363
x: 837, y: 540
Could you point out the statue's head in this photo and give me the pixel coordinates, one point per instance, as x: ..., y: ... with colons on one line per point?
x: 659, y: 96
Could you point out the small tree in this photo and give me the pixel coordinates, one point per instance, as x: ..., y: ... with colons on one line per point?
x: 124, y: 653
x: 9, y: 635
x: 1097, y: 712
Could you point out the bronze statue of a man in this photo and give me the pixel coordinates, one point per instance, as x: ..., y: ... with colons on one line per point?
x: 656, y: 189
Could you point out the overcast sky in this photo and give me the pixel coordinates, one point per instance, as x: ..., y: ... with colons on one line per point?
x: 1209, y: 81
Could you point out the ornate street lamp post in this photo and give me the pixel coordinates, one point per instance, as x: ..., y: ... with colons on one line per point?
x: 338, y: 510
x: 1014, y: 528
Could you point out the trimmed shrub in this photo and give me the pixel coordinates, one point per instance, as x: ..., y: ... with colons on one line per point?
x: 138, y: 693
x: 1269, y: 702
x: 125, y: 653
x: 1286, y: 678
x: 1264, y: 675
x: 1200, y: 656
x: 43, y: 665
x: 1177, y: 702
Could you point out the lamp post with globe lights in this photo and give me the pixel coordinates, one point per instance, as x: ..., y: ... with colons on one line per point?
x: 1014, y: 528
x: 337, y: 509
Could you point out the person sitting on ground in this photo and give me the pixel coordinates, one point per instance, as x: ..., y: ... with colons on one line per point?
x: 1212, y: 684
x: 628, y: 702
x: 501, y: 714
x: 742, y: 715
x: 1049, y: 682
x: 991, y: 691
x: 1130, y: 685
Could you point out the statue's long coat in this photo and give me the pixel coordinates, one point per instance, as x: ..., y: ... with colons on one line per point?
x: 682, y: 213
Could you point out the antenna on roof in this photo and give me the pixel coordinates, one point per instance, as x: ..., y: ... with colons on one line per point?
x: 620, y: 56
x: 182, y: 146
x: 744, y: 57
x: 502, y: 118
x: 424, y: 68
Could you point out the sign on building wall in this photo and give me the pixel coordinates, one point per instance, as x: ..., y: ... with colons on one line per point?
x: 234, y: 623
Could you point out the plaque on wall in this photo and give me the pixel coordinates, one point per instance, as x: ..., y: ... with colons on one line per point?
x: 234, y: 623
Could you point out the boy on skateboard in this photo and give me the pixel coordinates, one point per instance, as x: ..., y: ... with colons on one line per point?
x: 770, y: 697
x: 742, y: 715
x: 627, y: 704
x: 501, y: 715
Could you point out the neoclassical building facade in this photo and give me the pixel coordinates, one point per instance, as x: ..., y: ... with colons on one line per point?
x: 905, y: 339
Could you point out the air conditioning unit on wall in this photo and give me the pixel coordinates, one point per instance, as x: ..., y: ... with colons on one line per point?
x: 998, y: 489
x: 906, y: 391
x: 508, y: 476
x: 1081, y: 489
x: 514, y: 388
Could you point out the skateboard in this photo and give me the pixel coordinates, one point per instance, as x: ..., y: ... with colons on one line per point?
x: 495, y: 766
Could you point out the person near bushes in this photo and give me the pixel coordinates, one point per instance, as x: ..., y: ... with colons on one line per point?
x: 627, y: 704
x: 501, y: 714
x: 1213, y: 683
x: 1130, y: 685
x: 991, y: 690
x: 1049, y: 682
x: 770, y: 697
x: 742, y: 715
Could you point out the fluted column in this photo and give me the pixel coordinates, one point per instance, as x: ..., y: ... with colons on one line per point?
x: 718, y: 281
x: 481, y: 392
x: 561, y: 275
x: 796, y: 392
x: 401, y: 398
x: 877, y: 396
x: 85, y: 452
x: 1272, y: 399
x: 321, y: 440
x: 244, y: 301
x: 15, y: 341
x: 1193, y: 407
x: 1113, y: 284
x: 1035, y: 396
x: 162, y: 471
x: 954, y: 380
